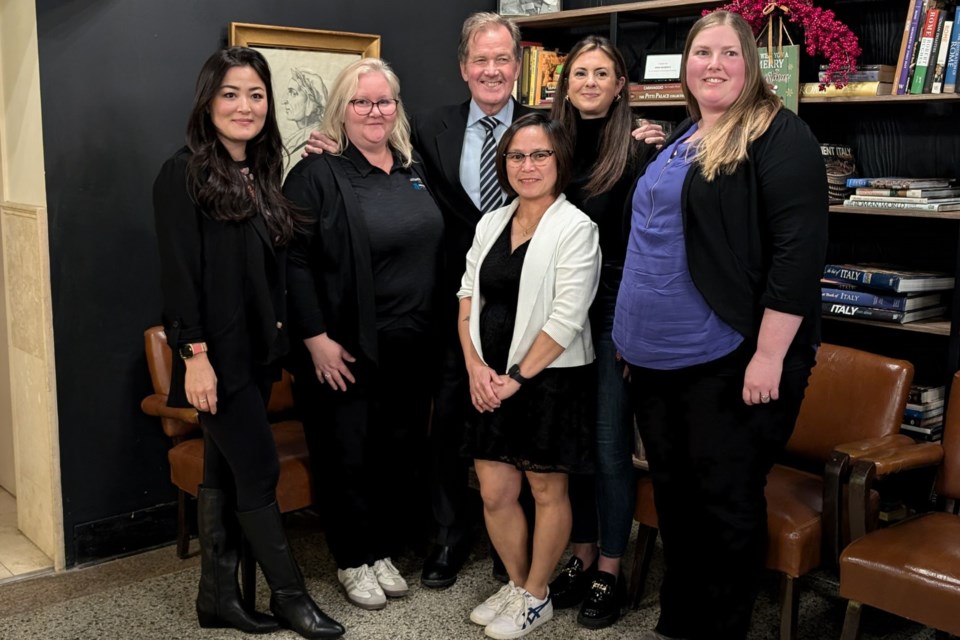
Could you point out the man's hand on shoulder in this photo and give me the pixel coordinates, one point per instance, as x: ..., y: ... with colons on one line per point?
x: 318, y: 143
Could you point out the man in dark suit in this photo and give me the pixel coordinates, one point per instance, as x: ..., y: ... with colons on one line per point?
x: 450, y: 141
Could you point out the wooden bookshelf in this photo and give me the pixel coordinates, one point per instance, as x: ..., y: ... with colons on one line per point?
x: 896, y: 213
x: 593, y: 16
x: 934, y: 326
x: 910, y: 135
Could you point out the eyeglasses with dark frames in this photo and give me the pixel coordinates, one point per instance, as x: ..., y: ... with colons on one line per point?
x: 364, y: 107
x: 538, y: 157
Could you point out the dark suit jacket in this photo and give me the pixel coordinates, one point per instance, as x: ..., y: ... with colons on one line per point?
x: 223, y: 283
x: 438, y: 137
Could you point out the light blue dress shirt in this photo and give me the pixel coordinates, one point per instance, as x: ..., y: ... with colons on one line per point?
x: 473, y: 145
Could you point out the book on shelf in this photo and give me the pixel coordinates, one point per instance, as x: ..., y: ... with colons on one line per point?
x: 812, y: 89
x: 930, y: 423
x: 911, y: 28
x: 912, y: 416
x: 925, y: 48
x: 940, y: 68
x: 841, y: 166
x: 640, y: 92
x: 926, y: 406
x: 892, y: 513
x: 888, y: 278
x: 906, y: 206
x: 864, y: 73
x: 926, y: 434
x: 923, y: 394
x: 905, y: 199
x: 550, y: 66
x: 909, y: 193
x: 863, y: 298
x: 953, y: 56
x: 839, y: 310
x: 900, y: 183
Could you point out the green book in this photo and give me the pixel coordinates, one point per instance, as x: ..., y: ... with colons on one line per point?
x: 782, y: 72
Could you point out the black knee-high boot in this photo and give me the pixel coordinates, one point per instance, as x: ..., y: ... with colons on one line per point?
x: 289, y: 600
x: 218, y: 600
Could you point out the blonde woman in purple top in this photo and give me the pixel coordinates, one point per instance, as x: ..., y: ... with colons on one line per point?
x: 718, y: 319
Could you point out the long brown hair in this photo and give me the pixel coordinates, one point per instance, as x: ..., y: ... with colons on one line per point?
x: 214, y: 180
x: 617, y: 149
x: 725, y: 145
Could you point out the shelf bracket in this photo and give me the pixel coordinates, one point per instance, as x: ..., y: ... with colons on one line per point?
x: 614, y: 28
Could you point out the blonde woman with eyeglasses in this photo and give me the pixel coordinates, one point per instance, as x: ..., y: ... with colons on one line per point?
x: 531, y: 275
x: 362, y: 283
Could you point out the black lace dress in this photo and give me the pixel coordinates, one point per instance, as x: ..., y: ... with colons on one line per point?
x: 547, y: 426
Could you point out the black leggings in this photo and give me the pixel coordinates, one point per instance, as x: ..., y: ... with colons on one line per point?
x: 368, y: 450
x: 709, y: 455
x: 239, y: 455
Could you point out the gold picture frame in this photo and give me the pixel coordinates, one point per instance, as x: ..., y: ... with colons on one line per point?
x: 304, y: 63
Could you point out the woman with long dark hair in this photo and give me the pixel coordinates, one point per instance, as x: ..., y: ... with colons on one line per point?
x: 222, y: 226
x: 593, y: 105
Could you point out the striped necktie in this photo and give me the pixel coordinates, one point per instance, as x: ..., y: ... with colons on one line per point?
x: 490, y: 193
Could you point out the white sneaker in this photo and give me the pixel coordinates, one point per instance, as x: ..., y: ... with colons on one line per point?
x: 361, y: 587
x: 484, y: 613
x: 390, y: 579
x: 522, y: 614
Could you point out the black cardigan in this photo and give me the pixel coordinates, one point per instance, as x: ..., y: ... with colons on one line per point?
x: 757, y: 238
x: 223, y: 283
x: 329, y: 269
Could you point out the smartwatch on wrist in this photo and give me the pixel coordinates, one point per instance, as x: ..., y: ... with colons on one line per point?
x: 189, y: 350
x: 514, y: 373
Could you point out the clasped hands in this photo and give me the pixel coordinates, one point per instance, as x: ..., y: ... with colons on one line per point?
x: 488, y: 388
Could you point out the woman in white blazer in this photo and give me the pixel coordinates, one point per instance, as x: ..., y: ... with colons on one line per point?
x: 531, y: 275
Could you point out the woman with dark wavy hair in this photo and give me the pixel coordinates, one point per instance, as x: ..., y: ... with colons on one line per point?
x: 592, y: 102
x: 223, y: 225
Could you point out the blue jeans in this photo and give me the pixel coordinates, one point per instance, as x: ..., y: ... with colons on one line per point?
x: 613, y: 498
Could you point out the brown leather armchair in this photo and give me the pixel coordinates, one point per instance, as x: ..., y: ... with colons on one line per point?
x: 852, y: 408
x: 911, y: 569
x: 295, y: 487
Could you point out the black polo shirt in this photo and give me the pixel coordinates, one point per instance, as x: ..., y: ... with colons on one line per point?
x: 405, y: 229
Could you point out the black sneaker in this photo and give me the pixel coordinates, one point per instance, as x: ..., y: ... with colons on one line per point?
x: 603, y: 602
x: 570, y: 585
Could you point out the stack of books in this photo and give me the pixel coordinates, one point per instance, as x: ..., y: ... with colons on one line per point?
x: 865, y: 80
x: 539, y: 73
x: 908, y: 194
x: 877, y: 292
x: 923, y: 417
x: 929, y: 50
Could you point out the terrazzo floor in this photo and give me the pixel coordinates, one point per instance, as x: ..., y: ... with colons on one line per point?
x: 150, y: 596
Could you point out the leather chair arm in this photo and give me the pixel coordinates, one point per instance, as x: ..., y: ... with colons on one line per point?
x: 156, y: 405
x: 924, y: 454
x: 866, y: 472
x: 835, y: 476
x: 873, y: 447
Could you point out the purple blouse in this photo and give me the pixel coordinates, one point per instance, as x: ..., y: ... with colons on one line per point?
x: 662, y: 320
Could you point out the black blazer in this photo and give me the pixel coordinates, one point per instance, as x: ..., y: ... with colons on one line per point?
x: 223, y: 283
x: 438, y: 136
x: 329, y: 271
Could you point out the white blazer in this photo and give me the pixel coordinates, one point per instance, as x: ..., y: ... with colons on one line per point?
x: 559, y: 279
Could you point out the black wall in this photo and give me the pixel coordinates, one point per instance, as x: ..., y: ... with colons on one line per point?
x: 116, y: 80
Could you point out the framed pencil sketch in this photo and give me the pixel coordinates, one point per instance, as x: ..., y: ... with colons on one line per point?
x: 304, y: 63
x: 527, y: 7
